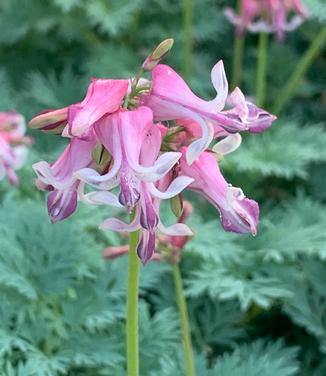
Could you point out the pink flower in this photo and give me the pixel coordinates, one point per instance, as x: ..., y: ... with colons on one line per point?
x: 13, y: 145
x: 134, y: 143
x: 271, y: 16
x: 103, y: 97
x: 59, y: 178
x: 120, y: 148
x: 174, y: 243
x: 170, y: 98
x: 238, y: 213
x: 250, y: 9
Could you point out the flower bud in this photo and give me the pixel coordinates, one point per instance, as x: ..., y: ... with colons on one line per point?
x: 159, y: 53
x: 176, y: 204
x: 52, y: 121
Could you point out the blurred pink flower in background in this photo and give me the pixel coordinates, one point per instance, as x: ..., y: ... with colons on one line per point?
x: 270, y: 16
x: 13, y: 145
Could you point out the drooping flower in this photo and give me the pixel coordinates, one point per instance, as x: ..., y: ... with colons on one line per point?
x: 238, y: 213
x: 58, y: 178
x: 134, y: 143
x: 170, y: 98
x: 270, y: 16
x: 249, y: 11
x: 168, y: 247
x: 123, y: 145
x: 13, y: 145
x: 103, y: 97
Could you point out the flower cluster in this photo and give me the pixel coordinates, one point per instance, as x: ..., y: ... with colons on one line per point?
x: 137, y: 142
x: 271, y: 16
x: 13, y: 145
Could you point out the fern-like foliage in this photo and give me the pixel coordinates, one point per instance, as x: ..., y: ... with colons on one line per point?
x: 239, y: 267
x: 317, y: 9
x: 284, y: 151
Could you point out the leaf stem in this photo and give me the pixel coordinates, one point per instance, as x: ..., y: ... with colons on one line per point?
x: 288, y: 90
x: 187, y: 35
x: 261, y: 69
x: 132, y: 308
x: 184, y: 318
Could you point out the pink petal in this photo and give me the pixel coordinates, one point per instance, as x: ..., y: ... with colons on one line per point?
x: 178, y: 229
x: 146, y: 246
x: 103, y: 97
x: 228, y: 145
x: 239, y: 214
x: 221, y: 86
x: 176, y: 187
x: 101, y: 198
x: 115, y: 224
x: 61, y: 204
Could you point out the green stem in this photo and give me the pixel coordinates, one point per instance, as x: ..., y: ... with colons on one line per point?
x: 288, y: 90
x: 261, y: 69
x: 187, y: 42
x: 132, y: 308
x: 185, y: 327
x: 237, y: 55
x: 237, y: 61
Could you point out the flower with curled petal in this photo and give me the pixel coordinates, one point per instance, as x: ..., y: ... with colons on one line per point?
x: 238, y: 213
x: 58, y: 178
x: 134, y: 143
x: 170, y: 98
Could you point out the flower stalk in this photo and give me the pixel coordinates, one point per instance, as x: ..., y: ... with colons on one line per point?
x: 187, y: 43
x: 261, y: 69
x: 237, y: 55
x: 132, y: 308
x: 307, y: 59
x: 237, y: 61
x: 184, y: 320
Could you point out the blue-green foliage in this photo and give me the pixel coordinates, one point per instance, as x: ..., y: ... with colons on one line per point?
x: 257, y: 305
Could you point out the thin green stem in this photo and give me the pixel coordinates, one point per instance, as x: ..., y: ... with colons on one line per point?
x: 261, y: 69
x: 184, y: 319
x: 237, y: 55
x: 187, y: 35
x: 237, y: 61
x: 288, y: 90
x: 132, y: 308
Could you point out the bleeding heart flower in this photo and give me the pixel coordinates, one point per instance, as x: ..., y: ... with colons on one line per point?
x: 58, y: 178
x: 170, y: 98
x: 238, y: 213
x: 270, y: 16
x: 134, y: 143
x: 103, y: 97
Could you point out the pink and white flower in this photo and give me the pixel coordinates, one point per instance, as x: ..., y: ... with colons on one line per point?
x: 170, y: 98
x: 103, y: 97
x: 134, y: 143
x: 58, y: 178
x: 270, y: 16
x: 121, y: 147
x: 175, y: 244
x: 13, y: 145
x: 238, y: 213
